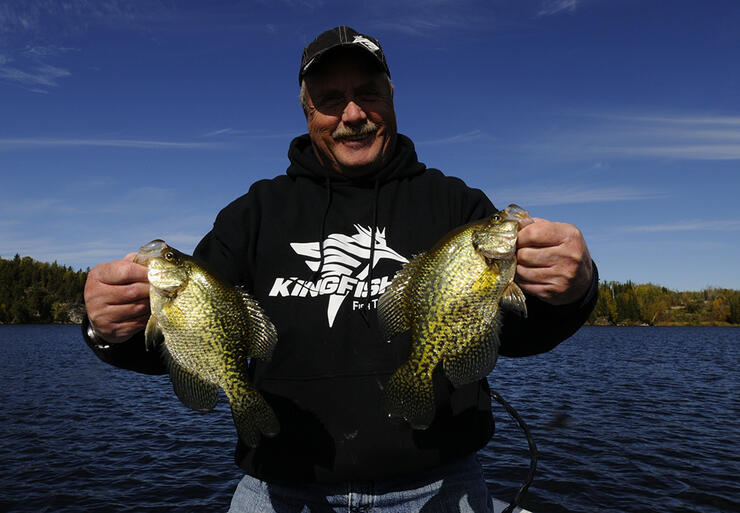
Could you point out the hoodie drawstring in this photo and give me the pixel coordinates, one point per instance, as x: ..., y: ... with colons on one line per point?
x: 317, y: 273
x: 373, y: 230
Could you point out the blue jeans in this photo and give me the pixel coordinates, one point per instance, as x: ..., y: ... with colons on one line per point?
x: 457, y: 487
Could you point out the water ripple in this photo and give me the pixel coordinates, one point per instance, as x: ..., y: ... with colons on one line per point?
x: 625, y: 419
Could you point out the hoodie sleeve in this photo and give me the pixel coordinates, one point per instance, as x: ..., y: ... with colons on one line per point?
x: 546, y: 325
x: 131, y: 355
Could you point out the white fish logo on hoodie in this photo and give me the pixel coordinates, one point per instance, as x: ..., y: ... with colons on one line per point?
x: 344, y: 271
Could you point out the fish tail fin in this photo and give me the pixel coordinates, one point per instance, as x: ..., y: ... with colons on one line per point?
x: 410, y: 396
x: 253, y: 417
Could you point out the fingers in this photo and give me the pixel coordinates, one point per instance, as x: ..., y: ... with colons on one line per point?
x: 120, y: 272
x: 117, y: 298
x: 553, y: 262
x: 543, y: 233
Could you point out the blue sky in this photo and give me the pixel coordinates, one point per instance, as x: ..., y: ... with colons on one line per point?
x: 125, y: 121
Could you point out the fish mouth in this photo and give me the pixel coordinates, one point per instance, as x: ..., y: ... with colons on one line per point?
x: 515, y: 213
x: 149, y: 250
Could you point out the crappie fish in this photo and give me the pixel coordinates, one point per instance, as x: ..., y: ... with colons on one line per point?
x: 449, y: 298
x: 210, y: 331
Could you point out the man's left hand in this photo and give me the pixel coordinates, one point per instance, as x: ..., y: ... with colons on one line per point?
x: 553, y: 262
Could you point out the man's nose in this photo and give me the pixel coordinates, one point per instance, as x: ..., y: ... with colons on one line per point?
x: 353, y: 113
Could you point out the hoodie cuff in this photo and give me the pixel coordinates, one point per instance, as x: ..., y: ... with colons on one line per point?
x: 91, y: 337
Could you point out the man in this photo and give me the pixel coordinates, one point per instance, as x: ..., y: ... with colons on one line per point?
x: 317, y: 246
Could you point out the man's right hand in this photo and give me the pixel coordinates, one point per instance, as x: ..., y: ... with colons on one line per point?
x: 117, y: 299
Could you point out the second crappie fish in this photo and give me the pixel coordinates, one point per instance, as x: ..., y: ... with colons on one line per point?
x: 210, y: 330
x: 450, y: 298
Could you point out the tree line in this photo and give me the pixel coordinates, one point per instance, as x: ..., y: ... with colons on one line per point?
x: 648, y: 304
x: 33, y: 292
x: 42, y: 293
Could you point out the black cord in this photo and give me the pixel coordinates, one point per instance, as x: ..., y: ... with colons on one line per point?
x: 532, y: 452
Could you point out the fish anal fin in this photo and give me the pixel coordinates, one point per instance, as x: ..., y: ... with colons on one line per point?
x: 475, y: 362
x: 253, y: 416
x: 513, y: 300
x: 410, y: 397
x: 192, y: 390
x: 394, y: 302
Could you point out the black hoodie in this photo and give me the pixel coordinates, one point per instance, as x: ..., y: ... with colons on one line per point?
x: 326, y: 375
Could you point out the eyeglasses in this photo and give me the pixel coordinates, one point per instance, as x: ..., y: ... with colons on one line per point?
x: 335, y: 103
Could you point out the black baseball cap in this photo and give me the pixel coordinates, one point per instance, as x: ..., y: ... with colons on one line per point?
x: 340, y: 36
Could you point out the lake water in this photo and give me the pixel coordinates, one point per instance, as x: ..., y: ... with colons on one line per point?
x: 625, y: 420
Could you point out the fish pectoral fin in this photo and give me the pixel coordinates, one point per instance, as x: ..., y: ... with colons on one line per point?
x: 393, y: 304
x: 514, y: 301
x: 475, y: 361
x: 485, y: 284
x: 152, y: 334
x: 262, y: 332
x: 193, y: 391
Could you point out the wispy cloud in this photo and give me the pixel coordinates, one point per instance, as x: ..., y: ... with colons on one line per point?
x: 116, y: 221
x: 38, y: 76
x: 568, y: 195
x: 222, y: 131
x: 236, y: 134
x: 410, y: 26
x: 473, y: 135
x: 673, y: 120
x: 14, y: 208
x: 26, y: 26
x: 690, y: 151
x: 551, y: 7
x: 13, y: 144
x: 721, y: 225
x: 698, y: 137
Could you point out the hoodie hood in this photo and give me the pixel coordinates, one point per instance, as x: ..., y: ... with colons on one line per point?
x: 303, y: 163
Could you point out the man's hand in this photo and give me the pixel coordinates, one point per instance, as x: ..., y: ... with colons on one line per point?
x: 553, y: 262
x: 117, y: 299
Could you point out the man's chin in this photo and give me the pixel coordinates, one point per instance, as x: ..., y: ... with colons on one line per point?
x: 359, y: 163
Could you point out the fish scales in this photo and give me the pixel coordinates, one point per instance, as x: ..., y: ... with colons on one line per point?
x: 449, y: 299
x: 210, y: 332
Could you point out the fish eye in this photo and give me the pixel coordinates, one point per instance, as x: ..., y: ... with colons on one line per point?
x: 169, y: 256
x: 496, y: 217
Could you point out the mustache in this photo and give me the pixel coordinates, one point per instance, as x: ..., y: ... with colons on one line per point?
x: 368, y: 128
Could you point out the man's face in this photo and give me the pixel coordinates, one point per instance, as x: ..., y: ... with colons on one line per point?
x: 350, y: 115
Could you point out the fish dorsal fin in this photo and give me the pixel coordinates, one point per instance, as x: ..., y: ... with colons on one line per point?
x: 393, y: 304
x: 514, y: 301
x: 192, y: 390
x: 262, y: 332
x: 152, y: 334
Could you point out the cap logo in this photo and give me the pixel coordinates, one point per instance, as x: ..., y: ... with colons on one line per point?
x: 366, y: 43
